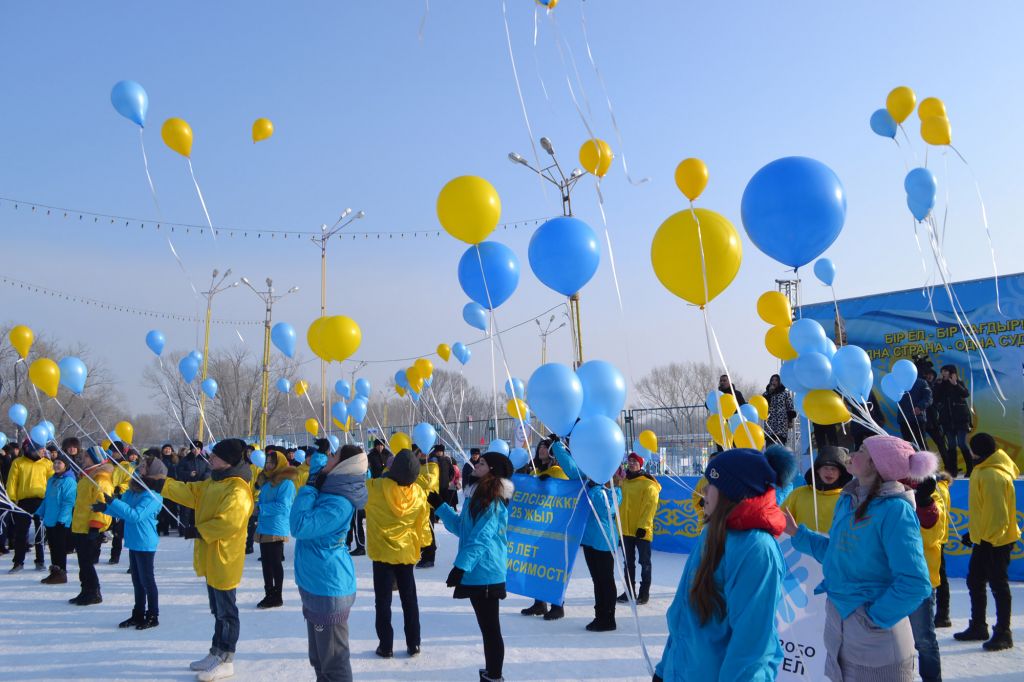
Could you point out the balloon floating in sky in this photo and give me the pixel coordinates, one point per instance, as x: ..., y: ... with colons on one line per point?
x: 131, y: 101
x: 564, y: 254
x: 188, y: 366
x: 596, y: 156
x: 691, y: 177
x: 334, y: 338
x: 262, y: 129
x: 900, y: 103
x: 469, y: 208
x: 177, y: 134
x: 489, y: 273
x: 680, y: 262
x: 882, y: 123
x: 21, y: 338
x: 73, y: 374
x: 45, y: 375
x: 825, y: 271
x: 475, y: 316
x: 155, y: 341
x: 209, y: 387
x: 283, y: 336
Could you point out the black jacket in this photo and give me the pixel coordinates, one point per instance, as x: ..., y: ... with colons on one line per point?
x: 192, y: 464
x: 950, y: 401
x: 377, y: 461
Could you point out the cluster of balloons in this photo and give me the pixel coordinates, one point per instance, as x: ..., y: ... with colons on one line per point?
x: 283, y: 337
x: 413, y: 379
x: 189, y: 366
x: 344, y: 413
x: 458, y: 349
x: 516, y: 407
x: 733, y: 425
x: 922, y: 187
x: 596, y: 155
x: 812, y: 378
x: 899, y: 105
x: 899, y: 380
x: 564, y: 253
x: 335, y: 338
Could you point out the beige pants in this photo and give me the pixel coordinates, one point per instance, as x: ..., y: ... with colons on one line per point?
x: 860, y: 651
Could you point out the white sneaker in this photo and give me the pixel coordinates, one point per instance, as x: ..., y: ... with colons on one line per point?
x: 205, y: 663
x: 218, y: 672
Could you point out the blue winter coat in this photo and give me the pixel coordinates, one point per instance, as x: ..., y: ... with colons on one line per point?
x: 602, y: 531
x: 319, y: 523
x: 744, y: 646
x: 919, y: 396
x: 139, y: 509
x: 483, y: 545
x: 275, y: 508
x: 877, y: 562
x: 59, y: 500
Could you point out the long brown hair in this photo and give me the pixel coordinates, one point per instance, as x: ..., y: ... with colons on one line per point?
x: 488, y: 489
x: 872, y: 494
x: 704, y: 595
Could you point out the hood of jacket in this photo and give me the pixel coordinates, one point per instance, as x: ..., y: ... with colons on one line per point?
x: 758, y: 513
x: 276, y: 475
x: 401, y: 499
x: 348, y: 479
x: 1001, y: 461
x: 642, y: 478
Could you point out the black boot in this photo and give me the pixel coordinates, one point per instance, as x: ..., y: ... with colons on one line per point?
x: 90, y: 598
x: 601, y: 625
x: 975, y: 632
x: 643, y: 598
x: 384, y: 653
x: 942, y: 620
x: 623, y: 598
x: 135, y: 619
x: 1001, y: 639
x: 77, y: 598
x: 148, y: 622
x: 555, y: 613
x: 538, y: 608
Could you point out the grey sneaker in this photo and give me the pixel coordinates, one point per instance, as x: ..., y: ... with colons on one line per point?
x: 220, y: 671
x: 206, y: 663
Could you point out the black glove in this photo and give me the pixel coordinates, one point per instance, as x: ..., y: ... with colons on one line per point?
x: 965, y: 540
x: 641, y: 533
x: 191, y: 533
x: 544, y: 477
x: 318, y: 480
x: 657, y: 678
x: 435, y: 501
x: 455, y: 577
x: 923, y: 492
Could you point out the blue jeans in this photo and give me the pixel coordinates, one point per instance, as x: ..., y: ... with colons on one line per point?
x: 144, y: 581
x: 954, y: 439
x: 226, y: 625
x: 922, y: 623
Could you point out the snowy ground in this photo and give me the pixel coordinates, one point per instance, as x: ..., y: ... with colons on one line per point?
x: 42, y: 637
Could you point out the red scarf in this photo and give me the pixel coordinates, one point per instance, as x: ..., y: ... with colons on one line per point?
x: 758, y: 513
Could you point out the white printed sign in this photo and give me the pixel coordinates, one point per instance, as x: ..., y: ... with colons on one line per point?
x: 800, y: 618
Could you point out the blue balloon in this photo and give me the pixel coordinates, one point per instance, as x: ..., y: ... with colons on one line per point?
x: 851, y: 372
x: 259, y: 458
x: 806, y: 336
x: 414, y: 396
x: 357, y: 410
x: 489, y: 273
x: 604, y: 389
x: 475, y: 315
x: 402, y: 380
x: 283, y: 336
x: 793, y: 209
x: 735, y: 421
x: 428, y: 381
x: 334, y: 441
x: 520, y: 458
x: 891, y: 388
x: 813, y: 370
x: 299, y: 456
x: 639, y: 449
x: 3, y: 439
x: 921, y: 184
x: 555, y: 394
x: 189, y: 368
x: 18, y: 414
x: 918, y: 210
x: 363, y: 388
x: 882, y: 123
x: 712, y: 401
x: 905, y: 372
x: 51, y: 430
x: 155, y: 341
x: 787, y: 373
x: 197, y: 355
x: 73, y: 374
x: 343, y: 388
x: 209, y: 387
x: 461, y: 352
x: 39, y: 434
x: 564, y: 254
x: 515, y: 388
x: 598, y: 447
x: 131, y: 101
x: 749, y: 413
x: 284, y: 385
x: 339, y: 410
x: 825, y: 271
x: 798, y: 404
x: 498, y: 445
x: 424, y: 436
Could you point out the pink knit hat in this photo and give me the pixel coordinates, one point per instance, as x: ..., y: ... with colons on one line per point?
x: 896, y: 459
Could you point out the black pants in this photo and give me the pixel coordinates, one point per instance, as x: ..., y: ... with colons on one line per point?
x: 988, y: 567
x: 602, y: 571
x: 22, y: 522
x: 59, y: 539
x: 117, y: 541
x: 225, y: 619
x: 87, y: 547
x: 384, y: 576
x: 935, y: 432
x: 942, y: 591
x: 250, y: 534
x: 187, y: 516
x: 634, y: 547
x: 956, y: 438
x: 272, y: 555
x: 486, y: 610
x: 147, y: 601
x: 452, y: 498
x: 357, y: 529
x: 164, y: 520
x: 428, y: 553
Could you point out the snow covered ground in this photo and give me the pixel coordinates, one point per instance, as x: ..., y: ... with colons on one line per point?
x: 42, y: 637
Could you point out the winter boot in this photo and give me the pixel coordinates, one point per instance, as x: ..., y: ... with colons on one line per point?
x: 598, y: 625
x: 77, y: 598
x: 206, y: 662
x: 538, y: 608
x: 90, y: 598
x: 135, y: 619
x: 413, y: 651
x: 40, y: 565
x: 358, y: 551
x: 222, y: 670
x: 1001, y: 639
x: 56, y: 577
x: 148, y: 622
x: 644, y: 596
x: 622, y: 598
x: 555, y: 613
x: 942, y: 620
x: 16, y: 568
x: 975, y: 632
x: 485, y: 678
x: 384, y: 653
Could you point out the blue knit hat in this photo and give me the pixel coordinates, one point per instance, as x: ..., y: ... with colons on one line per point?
x: 741, y: 474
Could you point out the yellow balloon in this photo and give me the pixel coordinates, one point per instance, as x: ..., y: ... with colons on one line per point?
x: 516, y: 408
x: 825, y: 407
x: 773, y: 308
x: 444, y: 351
x: 425, y: 367
x: 301, y: 387
x: 315, y: 338
x: 21, y: 338
x: 344, y: 427
x: 748, y: 435
x: 931, y: 106
x: 312, y: 427
x: 935, y: 130
x: 691, y: 177
x: 45, y: 375
x: 416, y: 385
x: 398, y: 442
x: 900, y: 103
x: 399, y: 390
x: 340, y: 336
x: 714, y: 426
x: 676, y: 254
x: 469, y: 208
x: 177, y: 135
x: 262, y: 129
x: 776, y: 340
x: 649, y: 440
x: 125, y: 431
x: 550, y: 4
x: 596, y: 157
x: 761, y: 405
x: 727, y: 405
x: 106, y: 444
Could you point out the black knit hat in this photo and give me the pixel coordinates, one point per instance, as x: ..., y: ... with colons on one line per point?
x: 231, y: 450
x: 437, y: 448
x: 501, y: 465
x: 983, y: 445
x: 404, y: 468
x: 322, y: 445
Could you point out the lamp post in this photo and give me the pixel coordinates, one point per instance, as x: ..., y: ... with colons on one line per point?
x: 545, y: 330
x: 216, y: 286
x: 269, y: 299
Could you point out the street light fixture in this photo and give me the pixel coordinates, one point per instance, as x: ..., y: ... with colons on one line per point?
x: 553, y: 174
x: 545, y: 331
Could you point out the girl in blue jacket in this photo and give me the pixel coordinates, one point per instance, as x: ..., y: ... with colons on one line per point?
x: 277, y: 490
x: 55, y: 511
x: 479, y: 571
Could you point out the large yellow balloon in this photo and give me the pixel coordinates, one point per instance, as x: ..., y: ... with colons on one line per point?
x: 177, y: 135
x: 931, y: 106
x: 748, y: 435
x: 262, y: 129
x: 900, y: 103
x: 727, y: 405
x: 425, y: 367
x: 335, y: 338
x: 691, y: 177
x: 516, y: 408
x: 301, y: 387
x: 45, y: 375
x: 714, y: 426
x: 596, y: 157
x: 825, y: 407
x: 315, y: 338
x: 469, y: 208
x: 398, y: 442
x: 676, y: 254
x: 21, y: 338
x: 773, y: 308
x: 776, y: 340
x: 649, y: 440
x: 125, y: 431
x: 312, y: 427
x: 761, y: 405
x: 935, y: 130
x: 444, y: 351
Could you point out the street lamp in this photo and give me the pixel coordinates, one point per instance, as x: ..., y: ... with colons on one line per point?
x: 216, y: 286
x: 563, y: 183
x: 545, y: 330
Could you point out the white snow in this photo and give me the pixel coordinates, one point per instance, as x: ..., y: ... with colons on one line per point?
x: 42, y: 637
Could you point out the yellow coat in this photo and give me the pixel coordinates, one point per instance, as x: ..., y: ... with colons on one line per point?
x: 992, y: 505
x: 255, y: 470
x: 28, y: 477
x: 639, y: 505
x: 800, y: 504
x: 222, y: 509
x: 397, y: 521
x: 301, y: 474
x: 429, y: 478
x: 554, y: 471
x: 83, y: 517
x: 935, y: 537
x: 122, y: 476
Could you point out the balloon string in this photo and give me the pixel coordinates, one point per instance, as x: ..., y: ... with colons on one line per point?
x: 519, y: 91
x: 202, y: 413
x: 423, y: 21
x: 174, y: 412
x: 615, y: 280
x: 988, y: 231
x: 149, y: 178
x: 926, y: 290
x: 202, y: 201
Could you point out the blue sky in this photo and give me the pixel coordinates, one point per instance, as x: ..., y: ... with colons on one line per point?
x: 369, y: 116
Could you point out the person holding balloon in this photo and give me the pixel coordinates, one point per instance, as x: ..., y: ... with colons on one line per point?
x: 55, y: 511
x: 640, y: 493
x: 26, y: 487
x: 780, y: 411
x: 544, y: 467
x: 124, y: 470
x: 95, y: 484
x: 276, y: 484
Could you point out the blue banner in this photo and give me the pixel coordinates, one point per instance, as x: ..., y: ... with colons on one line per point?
x: 545, y: 526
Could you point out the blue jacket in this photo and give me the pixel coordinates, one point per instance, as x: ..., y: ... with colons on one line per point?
x: 319, y: 523
x: 275, y: 508
x: 602, y: 531
x: 59, y: 500
x: 483, y: 546
x: 919, y: 396
x: 744, y: 646
x: 877, y: 562
x: 139, y: 510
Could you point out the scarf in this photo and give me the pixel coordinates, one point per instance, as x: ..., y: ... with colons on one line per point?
x: 240, y: 470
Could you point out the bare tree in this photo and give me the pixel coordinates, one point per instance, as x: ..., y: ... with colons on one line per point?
x: 681, y: 384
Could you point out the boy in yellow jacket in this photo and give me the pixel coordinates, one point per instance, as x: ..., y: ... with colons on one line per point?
x: 26, y: 486
x: 993, y: 531
x: 830, y: 476
x: 639, y: 505
x: 942, y: 483
x: 86, y: 525
x: 222, y: 504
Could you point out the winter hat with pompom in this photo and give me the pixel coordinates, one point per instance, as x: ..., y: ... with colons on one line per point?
x: 896, y: 459
x: 742, y: 473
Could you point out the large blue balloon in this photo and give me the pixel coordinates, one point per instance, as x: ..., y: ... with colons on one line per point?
x: 793, y: 209
x: 891, y: 388
x: 73, y: 374
x: 339, y: 410
x: 357, y: 410
x: 906, y: 374
x: 189, y: 368
x: 806, y: 336
x: 921, y: 184
x: 18, y: 414
x: 335, y: 443
x: 461, y: 352
x: 363, y: 388
x: 259, y: 458
x: 475, y: 315
x: 851, y: 372
x: 209, y: 387
x: 555, y: 394
x: 604, y: 389
x: 787, y: 373
x: 498, y: 445
x: 564, y: 254
x: 598, y: 447
x: 515, y: 388
x: 343, y: 388
x: 155, y: 341
x: 825, y: 271
x: 424, y: 436
x: 197, y: 355
x: 520, y: 457
x: 39, y: 434
x: 813, y: 370
x: 283, y: 336
x: 749, y: 413
x: 131, y: 101
x: 284, y: 385
x: 918, y: 210
x: 882, y: 123
x: 489, y: 273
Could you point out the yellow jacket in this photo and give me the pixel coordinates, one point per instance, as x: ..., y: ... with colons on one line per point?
x: 800, y: 504
x: 942, y: 488
x: 28, y: 477
x: 397, y: 521
x: 255, y: 489
x: 222, y: 509
x: 639, y: 505
x: 935, y: 537
x: 697, y: 498
x: 429, y: 478
x: 554, y: 471
x: 992, y: 505
x: 83, y: 517
x: 122, y: 476
x: 301, y: 474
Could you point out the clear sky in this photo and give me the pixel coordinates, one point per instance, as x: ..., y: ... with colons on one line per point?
x: 369, y: 116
